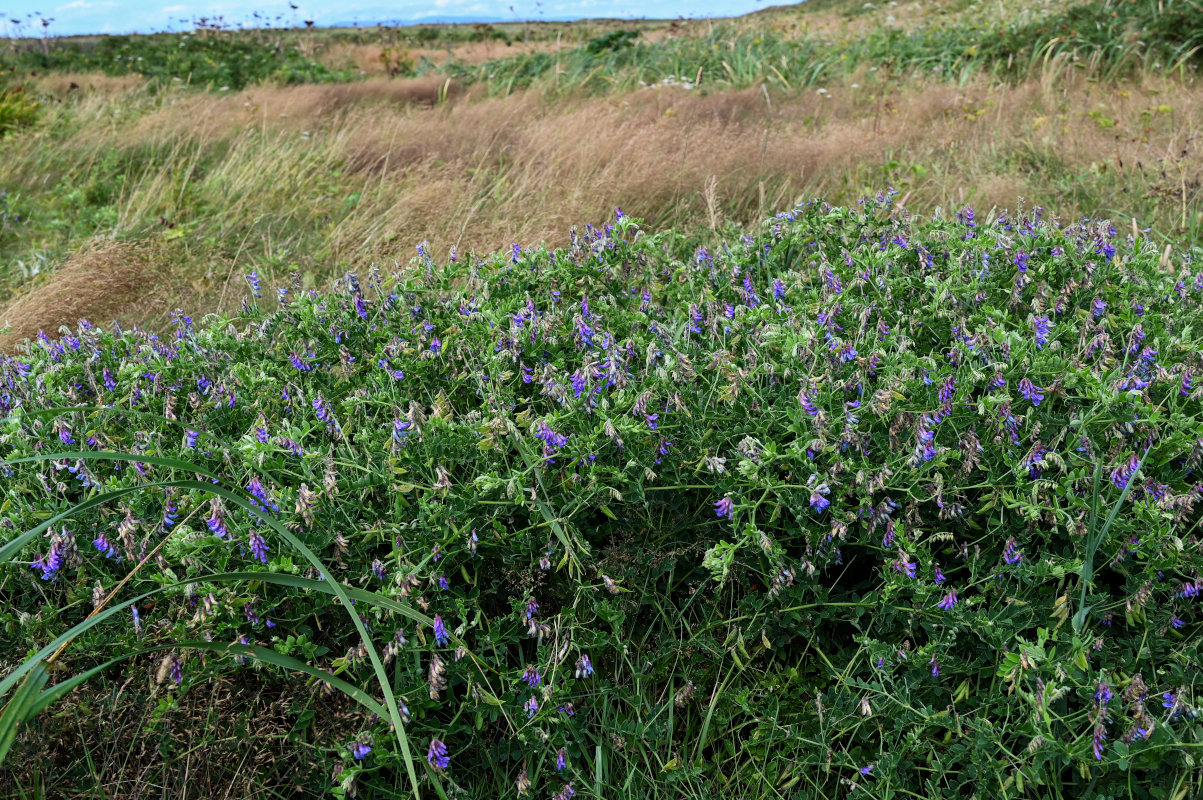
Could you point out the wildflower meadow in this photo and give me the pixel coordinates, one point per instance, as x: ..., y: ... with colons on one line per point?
x: 859, y: 503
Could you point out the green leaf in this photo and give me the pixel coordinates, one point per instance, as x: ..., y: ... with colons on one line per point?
x: 18, y: 711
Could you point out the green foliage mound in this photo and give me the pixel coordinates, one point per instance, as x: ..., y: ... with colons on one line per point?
x: 861, y: 500
x: 209, y: 59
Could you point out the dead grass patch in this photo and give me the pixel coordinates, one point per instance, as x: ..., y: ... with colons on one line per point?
x: 108, y: 281
x: 367, y: 57
x: 61, y: 83
x: 341, y: 177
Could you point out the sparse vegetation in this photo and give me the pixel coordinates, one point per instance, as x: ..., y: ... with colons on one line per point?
x: 453, y: 482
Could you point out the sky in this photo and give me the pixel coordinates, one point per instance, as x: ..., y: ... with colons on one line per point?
x: 128, y: 16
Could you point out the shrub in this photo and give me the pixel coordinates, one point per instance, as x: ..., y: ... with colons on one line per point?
x: 859, y: 499
x: 614, y: 40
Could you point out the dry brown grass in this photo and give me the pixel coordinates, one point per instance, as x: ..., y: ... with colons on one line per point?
x: 485, y: 173
x: 94, y: 83
x: 108, y: 281
x: 201, y: 117
x: 275, y: 167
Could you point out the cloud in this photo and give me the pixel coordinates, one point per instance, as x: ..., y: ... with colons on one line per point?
x: 83, y: 5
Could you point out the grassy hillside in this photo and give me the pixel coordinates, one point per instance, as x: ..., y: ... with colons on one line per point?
x: 692, y: 127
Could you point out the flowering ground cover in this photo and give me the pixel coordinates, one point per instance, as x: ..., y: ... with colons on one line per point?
x: 856, y: 504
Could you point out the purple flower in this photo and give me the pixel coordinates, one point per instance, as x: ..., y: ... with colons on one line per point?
x: 949, y: 601
x: 935, y: 667
x: 105, y: 546
x: 51, y: 563
x: 1176, y: 622
x: 137, y: 620
x: 1041, y: 324
x: 322, y: 410
x: 939, y: 577
x: 259, y: 546
x: 531, y: 676
x: 550, y: 438
x: 531, y: 706
x: 723, y: 507
x: 216, y: 523
x: 360, y: 750
x: 440, y: 631
x: 584, y: 667
x: 817, y: 500
x: 948, y: 390
x: 260, y: 494
x: 1120, y: 476
x: 865, y: 770
x: 1010, y: 554
x: 437, y: 755
x: 1098, y: 307
x: 1031, y: 391
x: 561, y: 760
x: 565, y: 793
x: 532, y: 607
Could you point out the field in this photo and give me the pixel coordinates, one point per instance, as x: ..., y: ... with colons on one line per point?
x: 802, y: 405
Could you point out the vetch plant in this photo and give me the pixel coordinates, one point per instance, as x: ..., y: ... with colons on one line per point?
x: 828, y: 495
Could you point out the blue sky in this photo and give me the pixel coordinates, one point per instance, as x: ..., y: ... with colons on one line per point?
x: 124, y: 16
